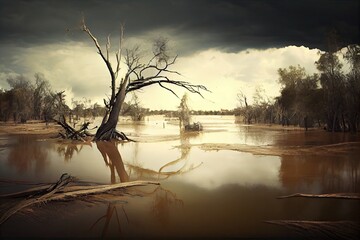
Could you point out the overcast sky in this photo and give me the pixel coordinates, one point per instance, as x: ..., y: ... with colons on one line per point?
x: 229, y: 46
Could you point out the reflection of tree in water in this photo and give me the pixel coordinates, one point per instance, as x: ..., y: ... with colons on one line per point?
x: 137, y: 171
x: 27, y: 151
x: 111, y: 209
x: 113, y: 160
x: 313, y: 138
x: 69, y: 149
x: 253, y: 136
x: 332, y: 173
x: 163, y: 199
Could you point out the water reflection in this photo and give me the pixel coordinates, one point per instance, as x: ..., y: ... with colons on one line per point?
x: 113, y: 160
x: 255, y: 137
x: 158, y: 167
x: 25, y: 154
x: 316, y: 174
x: 330, y: 169
x: 111, y: 209
x: 185, y: 149
x: 224, y: 196
x: 163, y: 199
x: 313, y: 138
x: 68, y: 149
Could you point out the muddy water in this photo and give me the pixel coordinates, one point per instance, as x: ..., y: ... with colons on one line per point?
x: 202, y: 194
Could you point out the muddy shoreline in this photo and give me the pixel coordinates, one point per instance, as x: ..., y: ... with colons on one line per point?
x: 32, y: 127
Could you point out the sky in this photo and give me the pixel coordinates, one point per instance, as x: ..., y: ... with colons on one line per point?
x: 228, y: 46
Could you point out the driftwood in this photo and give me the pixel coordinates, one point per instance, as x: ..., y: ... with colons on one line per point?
x: 355, y: 196
x: 40, y: 196
x: 322, y: 229
x: 61, y: 190
x: 71, y: 133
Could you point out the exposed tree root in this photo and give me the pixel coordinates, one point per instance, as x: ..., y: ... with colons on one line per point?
x: 120, y: 136
x: 355, y: 196
x: 112, y: 134
x: 61, y: 190
x: 322, y: 229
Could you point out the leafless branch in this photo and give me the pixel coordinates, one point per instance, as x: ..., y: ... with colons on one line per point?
x: 108, y: 46
x: 119, y: 52
x: 106, y: 60
x: 136, y: 85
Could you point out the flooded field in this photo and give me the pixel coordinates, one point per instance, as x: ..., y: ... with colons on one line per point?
x: 222, y: 182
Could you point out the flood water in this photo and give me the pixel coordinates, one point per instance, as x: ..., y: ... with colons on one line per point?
x: 203, y: 193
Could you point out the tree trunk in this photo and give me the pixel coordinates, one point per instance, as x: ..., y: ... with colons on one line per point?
x: 343, y: 122
x: 107, y: 129
x: 306, y: 123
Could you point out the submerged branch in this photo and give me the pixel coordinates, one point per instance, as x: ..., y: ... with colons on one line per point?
x: 322, y: 229
x: 355, y: 196
x: 59, y: 191
x: 41, y: 196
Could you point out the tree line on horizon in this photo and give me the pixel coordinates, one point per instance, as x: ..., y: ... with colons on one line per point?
x: 329, y: 99
x: 29, y: 99
x: 34, y: 99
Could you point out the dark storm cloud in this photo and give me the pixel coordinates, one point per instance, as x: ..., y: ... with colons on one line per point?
x: 227, y: 25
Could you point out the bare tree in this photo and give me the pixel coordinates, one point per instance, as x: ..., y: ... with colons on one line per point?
x: 184, y: 112
x: 138, y: 75
x: 134, y: 109
x: 352, y: 87
x: 244, y: 109
x: 21, y: 98
x: 41, y: 90
x: 332, y: 81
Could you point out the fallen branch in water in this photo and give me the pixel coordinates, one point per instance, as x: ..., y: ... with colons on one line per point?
x: 58, y: 191
x: 355, y: 196
x: 322, y: 229
x: 71, y: 133
x: 36, y: 197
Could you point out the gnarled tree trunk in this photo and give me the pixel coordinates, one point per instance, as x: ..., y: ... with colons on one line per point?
x: 138, y: 75
x: 107, y: 129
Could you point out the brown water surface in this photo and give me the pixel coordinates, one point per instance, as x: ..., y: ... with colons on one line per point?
x: 220, y: 193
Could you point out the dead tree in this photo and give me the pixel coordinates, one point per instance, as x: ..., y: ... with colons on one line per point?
x: 138, y: 75
x: 71, y: 133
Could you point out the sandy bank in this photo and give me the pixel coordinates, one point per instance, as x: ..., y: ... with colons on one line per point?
x: 31, y: 127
